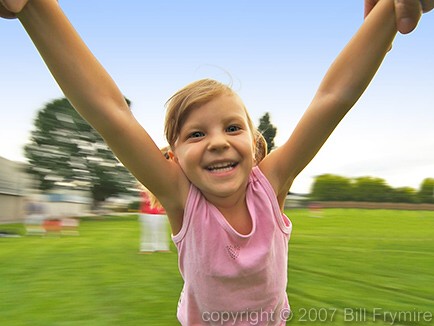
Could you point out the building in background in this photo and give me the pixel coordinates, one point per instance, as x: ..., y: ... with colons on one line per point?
x: 14, y: 185
x: 18, y: 188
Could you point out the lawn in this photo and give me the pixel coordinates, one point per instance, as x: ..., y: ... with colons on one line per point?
x: 345, y: 267
x: 362, y: 266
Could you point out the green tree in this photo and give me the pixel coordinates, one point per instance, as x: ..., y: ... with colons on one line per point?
x: 330, y: 187
x: 426, y: 191
x: 372, y: 190
x: 404, y: 195
x: 65, y: 150
x: 268, y: 130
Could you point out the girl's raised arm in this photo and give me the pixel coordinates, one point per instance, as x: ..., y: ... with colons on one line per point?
x: 343, y: 84
x: 96, y: 97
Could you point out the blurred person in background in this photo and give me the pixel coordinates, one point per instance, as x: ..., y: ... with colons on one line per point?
x: 35, y: 217
x: 153, y: 224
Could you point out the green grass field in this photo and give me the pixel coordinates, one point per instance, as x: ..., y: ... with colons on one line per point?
x: 356, y: 267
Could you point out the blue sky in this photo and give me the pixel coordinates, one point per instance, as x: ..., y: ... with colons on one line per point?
x: 275, y: 53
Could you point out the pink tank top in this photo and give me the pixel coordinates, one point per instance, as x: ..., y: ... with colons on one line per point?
x: 230, y: 278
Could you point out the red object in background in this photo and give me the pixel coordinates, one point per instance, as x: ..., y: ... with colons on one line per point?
x: 52, y: 225
x: 145, y: 206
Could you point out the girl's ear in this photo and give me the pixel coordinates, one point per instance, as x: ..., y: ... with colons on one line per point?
x: 172, y: 156
x: 260, y: 147
x: 254, y: 151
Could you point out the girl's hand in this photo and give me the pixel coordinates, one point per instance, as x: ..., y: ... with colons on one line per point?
x: 9, y: 8
x: 408, y: 12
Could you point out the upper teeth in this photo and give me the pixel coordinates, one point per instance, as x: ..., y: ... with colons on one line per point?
x: 220, y: 165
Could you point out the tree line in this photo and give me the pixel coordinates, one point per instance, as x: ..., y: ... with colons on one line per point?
x: 330, y: 187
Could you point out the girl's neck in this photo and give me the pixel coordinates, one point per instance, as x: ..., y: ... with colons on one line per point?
x: 235, y: 211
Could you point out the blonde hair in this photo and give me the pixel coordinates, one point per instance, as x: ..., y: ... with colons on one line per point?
x: 194, y: 95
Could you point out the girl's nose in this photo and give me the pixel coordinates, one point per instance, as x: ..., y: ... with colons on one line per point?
x: 218, y: 142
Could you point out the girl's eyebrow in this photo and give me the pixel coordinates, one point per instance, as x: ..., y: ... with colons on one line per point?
x: 192, y: 126
x: 235, y: 118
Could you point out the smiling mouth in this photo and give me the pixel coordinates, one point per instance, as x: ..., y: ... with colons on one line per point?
x: 221, y: 167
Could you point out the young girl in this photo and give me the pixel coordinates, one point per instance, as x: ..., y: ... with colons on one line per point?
x: 223, y: 201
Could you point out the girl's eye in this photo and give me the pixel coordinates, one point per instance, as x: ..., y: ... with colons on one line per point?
x: 196, y: 134
x: 233, y: 128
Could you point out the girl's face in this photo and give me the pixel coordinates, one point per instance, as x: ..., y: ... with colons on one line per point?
x: 215, y: 147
